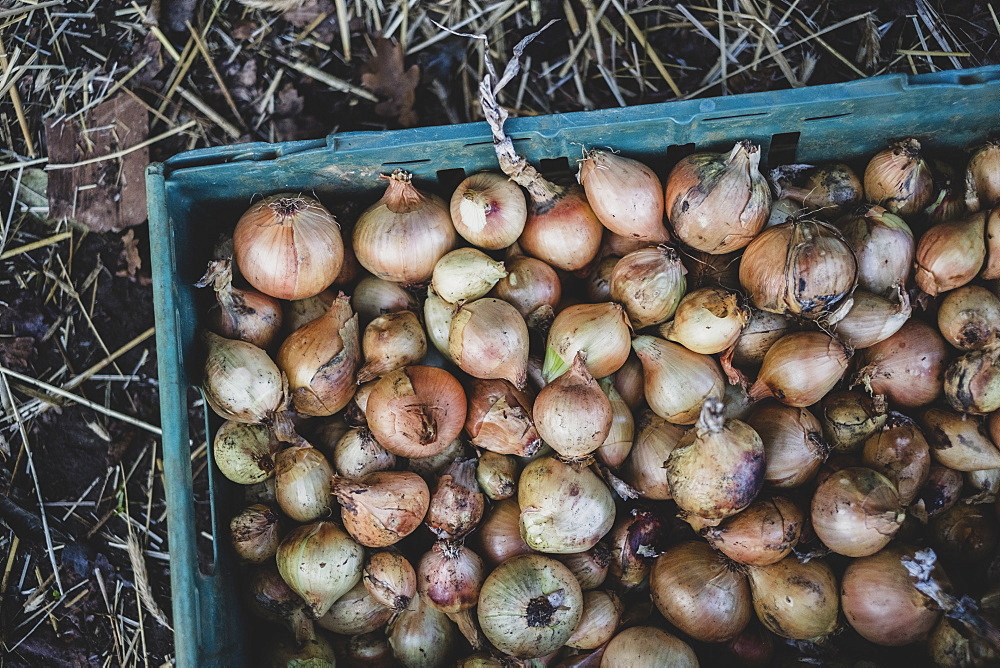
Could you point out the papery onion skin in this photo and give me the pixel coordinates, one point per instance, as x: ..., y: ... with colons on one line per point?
x: 643, y: 470
x: 373, y: 297
x: 899, y: 179
x: 382, y: 508
x: 648, y: 647
x: 717, y: 203
x: 422, y: 636
x: 965, y: 533
x: 391, y: 341
x: 800, y: 368
x: 240, y: 382
x: 301, y: 312
x: 456, y: 505
x: 303, y: 559
x: 355, y: 612
x: 982, y: 177
x: 601, y: 331
x: 564, y: 232
x: 488, y: 339
x: 880, y: 601
x: 698, y: 592
x: 616, y: 447
x: 793, y: 445
x: 850, y: 417
x: 499, y: 535
x: 465, y: 274
x: 941, y: 491
x: 972, y: 382
x: 247, y: 315
x: 390, y: 579
x: 302, y: 483
x: 959, y: 440
x: 635, y: 540
x: 528, y: 285
x: 949, y: 255
x: 707, y: 321
x: 884, y: 246
x: 572, y: 413
x: 856, y: 511
x: 601, y: 614
x: 449, y: 577
x: 529, y: 606
x: 288, y: 246
x: 901, y: 453
x: 908, y: 367
x: 762, y: 534
x: 969, y: 317
x: 873, y: 318
x: 827, y: 189
x: 625, y: 194
x: 245, y: 452
x: 489, y: 210
x: 677, y: 382
x: 255, y: 532
x: 762, y: 330
x: 357, y: 454
x: 795, y: 600
x: 500, y: 418
x: 590, y: 567
x: 649, y: 283
x: 991, y: 269
x: 268, y: 597
x: 402, y: 236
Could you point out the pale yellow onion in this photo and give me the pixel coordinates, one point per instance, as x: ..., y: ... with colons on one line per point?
x: 707, y: 321
x: 465, y: 274
x: 489, y: 210
x: 884, y: 246
x: 959, y: 441
x: 793, y: 445
x: 321, y: 361
x: 648, y: 647
x: 572, y: 413
x: 801, y: 368
x: 553, y: 518
x: 245, y: 452
x: 654, y: 440
x: 873, y: 318
x: 288, y: 246
x: 302, y: 483
x: 497, y: 475
x: 949, y: 255
x: 677, y: 381
x: 433, y: 465
x: 489, y: 339
x: 602, y: 611
x: 618, y: 443
x: 795, y: 600
x: 718, y: 203
x: 422, y: 636
x: 649, y: 283
x: 355, y: 612
x: 240, y: 381
x: 591, y: 567
x: 305, y: 557
x: 991, y: 269
x: 762, y: 330
x: 969, y: 317
x: 601, y: 331
x: 391, y: 341
x: 373, y: 297
x: 357, y: 453
x: 438, y: 315
x: 899, y: 179
x: 625, y: 194
x: 856, y: 511
x: 402, y: 236
x: 982, y: 177
x: 499, y: 535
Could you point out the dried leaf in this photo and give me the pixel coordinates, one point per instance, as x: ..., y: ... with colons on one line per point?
x: 17, y: 353
x: 129, y: 261
x: 386, y: 78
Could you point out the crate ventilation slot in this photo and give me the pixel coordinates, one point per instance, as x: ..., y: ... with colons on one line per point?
x: 823, y: 118
x: 735, y: 116
x: 406, y: 162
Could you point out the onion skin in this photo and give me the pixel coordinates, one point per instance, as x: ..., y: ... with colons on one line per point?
x: 793, y: 444
x: 884, y: 246
x: 302, y: 559
x: 707, y: 321
x: 500, y: 418
x: 872, y: 318
x: 391, y: 341
x: 601, y: 613
x: 528, y: 285
x: 969, y: 318
x: 718, y: 203
x: 268, y: 597
x: 856, y: 511
x: 881, y: 603
x: 991, y: 270
x: 625, y: 194
x: 354, y: 613
x: 908, y: 367
x: 649, y: 283
x: 373, y: 297
x: 390, y: 579
x: 800, y: 368
x: 456, y: 505
x: 382, y: 508
x: 901, y: 453
x: 762, y: 331
x: 465, y: 274
x: 677, y: 382
x: 302, y: 483
x: 601, y: 331
x: 643, y: 470
x: 694, y: 588
x: 941, y: 491
x: 949, y: 255
x: 764, y: 533
x: 489, y: 210
x: 499, y: 536
x: 850, y: 417
x: 572, y: 413
x: 449, y: 577
x: 563, y: 232
x: 635, y: 538
x: 255, y: 532
x: 972, y: 382
x: 648, y: 647
x: 488, y: 339
x: 288, y: 246
x: 245, y: 452
x: 982, y: 177
x: 591, y: 567
x: 616, y: 447
x: 247, y: 315
x: 965, y: 534
x: 240, y: 382
x: 422, y: 636
x: 795, y: 600
x: 959, y: 441
x: 827, y: 189
x: 899, y: 179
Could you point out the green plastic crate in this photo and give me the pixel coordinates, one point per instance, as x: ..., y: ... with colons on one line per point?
x: 195, y: 194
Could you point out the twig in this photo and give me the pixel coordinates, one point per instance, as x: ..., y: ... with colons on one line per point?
x: 35, y: 245
x: 328, y: 79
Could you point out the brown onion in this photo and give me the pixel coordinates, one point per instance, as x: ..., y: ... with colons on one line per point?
x: 391, y: 341
x: 270, y: 598
x: 601, y: 331
x: 562, y: 230
x: 800, y: 368
x: 628, y: 381
x: 636, y: 539
x: 899, y: 179
x: 373, y: 297
x: 590, y: 567
x: 850, y: 417
x: 965, y: 533
x: 856, y: 511
x: 422, y: 636
x: 873, y: 318
x: 488, y: 338
x: 601, y: 614
x: 940, y: 492
x: 625, y: 194
x: 390, y: 579
x: 795, y: 600
x: 649, y: 283
x: 717, y: 468
x: 949, y: 255
x: 456, y: 504
x: 530, y: 285
x: 247, y: 315
x: 908, y: 367
x: 306, y: 558
x: 718, y: 203
x: 643, y: 470
x: 300, y: 312
x: 803, y: 268
x: 416, y: 411
x: 982, y: 177
x: 382, y: 508
x: 793, y: 445
x: 355, y: 612
x: 572, y: 413
x: 497, y: 475
x: 972, y: 382
x: 449, y: 576
x: 884, y: 246
x: 648, y: 647
x: 677, y: 381
x: 489, y: 210
x: 765, y: 533
x: 880, y: 601
x: 402, y: 236
x: 499, y: 535
x: 827, y: 189
x: 499, y: 418
x: 901, y: 453
x: 288, y: 246
x: 761, y: 332
x: 969, y: 317
x: 618, y: 443
x: 255, y: 532
x: 959, y: 441
x: 597, y: 287
x: 707, y: 321
x: 700, y: 593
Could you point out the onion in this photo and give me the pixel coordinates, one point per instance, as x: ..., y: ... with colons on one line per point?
x: 965, y: 533
x: 456, y: 505
x: 281, y: 651
x: 969, y: 318
x: 753, y: 648
x: 565, y: 507
x: 240, y: 381
x: 300, y: 312
x: 795, y: 600
x: 355, y: 612
x: 625, y: 194
x: 884, y: 246
x: 499, y: 418
x: 959, y: 441
x: 244, y: 452
x: 972, y: 382
x: 402, y: 236
x: 306, y: 557
x: 761, y: 332
x: 901, y: 453
x: 602, y: 332
x: 991, y: 270
x: 367, y: 649
x: 628, y: 381
x: 529, y: 286
x: 649, y: 283
x: 618, y: 443
x: 382, y: 508
x: 302, y: 483
x: 270, y: 598
x: 636, y: 539
x: 899, y: 179
x: 572, y: 413
x: 449, y: 577
x: 422, y: 636
x: 763, y: 534
x: 699, y: 593
x: 489, y: 210
x: 856, y: 511
x: 602, y: 612
x: 529, y: 606
x: 941, y: 491
x: 321, y: 361
x: 982, y: 177
x: 357, y: 454
x: 793, y: 444
x: 949, y: 255
x: 391, y: 341
x: 648, y: 647
x: 465, y: 274
x: 373, y: 297
x: 800, y: 368
x: 488, y: 338
x: 803, y: 268
x: 247, y: 315
x: 783, y: 210
x: 850, y: 417
x: 908, y: 367
x: 717, y: 468
x: 643, y: 470
x: 499, y: 534
x: 873, y: 318
x: 255, y: 533
x: 707, y: 321
x: 950, y: 647
x: 590, y: 568
x: 677, y: 381
x: 416, y: 411
x: 718, y: 203
x: 390, y: 579
x: 497, y: 475
x: 288, y: 246
x: 826, y: 189
x: 880, y: 601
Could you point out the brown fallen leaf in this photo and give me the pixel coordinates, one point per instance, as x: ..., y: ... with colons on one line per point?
x: 17, y: 352
x: 129, y: 261
x: 386, y: 77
